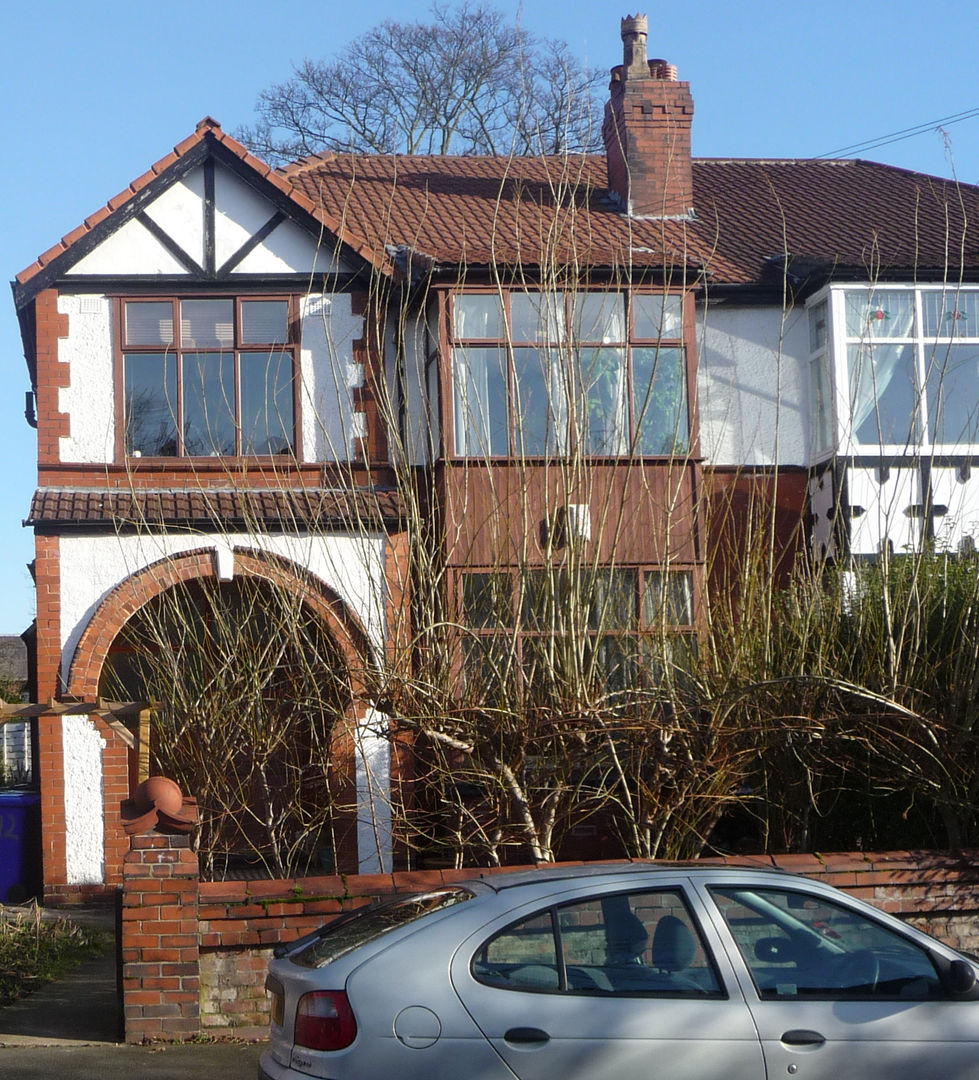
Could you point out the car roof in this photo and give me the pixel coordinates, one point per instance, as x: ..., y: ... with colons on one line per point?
x: 498, y: 880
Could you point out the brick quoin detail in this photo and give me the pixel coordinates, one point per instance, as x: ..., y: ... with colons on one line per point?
x: 52, y: 375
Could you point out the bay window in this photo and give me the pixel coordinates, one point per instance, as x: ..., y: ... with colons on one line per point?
x: 545, y: 374
x: 206, y: 377
x: 609, y: 626
x: 911, y: 363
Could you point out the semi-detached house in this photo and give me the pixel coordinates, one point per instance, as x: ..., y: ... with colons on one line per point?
x: 234, y: 367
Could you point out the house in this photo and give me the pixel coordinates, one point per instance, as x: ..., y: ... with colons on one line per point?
x: 236, y: 368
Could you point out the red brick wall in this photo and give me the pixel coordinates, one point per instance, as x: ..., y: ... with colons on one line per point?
x: 160, y: 961
x: 238, y: 923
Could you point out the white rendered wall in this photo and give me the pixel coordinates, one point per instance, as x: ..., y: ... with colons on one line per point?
x: 91, y: 566
x: 753, y: 385
x: 88, y: 399
x: 84, y: 812
x: 329, y: 376
x: 239, y: 212
x: 374, y: 835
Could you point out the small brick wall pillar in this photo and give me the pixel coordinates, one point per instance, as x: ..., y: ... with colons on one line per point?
x: 160, y: 943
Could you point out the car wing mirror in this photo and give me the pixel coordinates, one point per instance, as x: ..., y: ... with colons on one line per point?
x: 958, y: 977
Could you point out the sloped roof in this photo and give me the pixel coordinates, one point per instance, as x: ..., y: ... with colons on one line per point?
x: 270, y: 508
x: 474, y: 210
x: 555, y: 211
x: 207, y: 129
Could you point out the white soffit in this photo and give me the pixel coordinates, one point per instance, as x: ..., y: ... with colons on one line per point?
x: 179, y: 211
x: 133, y: 249
x: 291, y: 250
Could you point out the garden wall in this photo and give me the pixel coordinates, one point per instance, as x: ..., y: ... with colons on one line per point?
x: 194, y: 953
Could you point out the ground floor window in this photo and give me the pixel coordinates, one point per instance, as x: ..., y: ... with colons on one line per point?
x: 607, y: 628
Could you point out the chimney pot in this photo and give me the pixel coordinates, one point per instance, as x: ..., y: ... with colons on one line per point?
x: 635, y: 30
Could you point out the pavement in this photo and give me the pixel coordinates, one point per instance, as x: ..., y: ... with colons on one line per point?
x: 72, y: 1029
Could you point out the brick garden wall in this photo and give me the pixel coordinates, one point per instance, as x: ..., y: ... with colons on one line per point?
x: 177, y: 982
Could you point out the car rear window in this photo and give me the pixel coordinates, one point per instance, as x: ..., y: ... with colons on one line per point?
x: 357, y: 928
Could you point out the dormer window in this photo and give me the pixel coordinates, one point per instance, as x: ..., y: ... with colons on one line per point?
x: 208, y: 376
x: 541, y: 374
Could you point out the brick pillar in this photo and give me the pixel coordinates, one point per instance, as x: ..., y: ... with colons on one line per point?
x: 160, y: 943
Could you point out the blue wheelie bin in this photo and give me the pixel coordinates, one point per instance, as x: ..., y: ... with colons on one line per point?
x: 20, y: 845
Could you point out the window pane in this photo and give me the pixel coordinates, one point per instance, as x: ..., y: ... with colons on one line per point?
x: 481, y: 422
x: 266, y: 403
x: 952, y: 385
x: 658, y: 316
x: 522, y: 957
x: 951, y: 314
x: 151, y: 404
x: 818, y: 326
x: 885, y: 313
x: 643, y: 943
x: 207, y: 324
x: 599, y: 316
x: 820, y: 388
x: 883, y: 398
x: 603, y: 426
x: 660, y: 401
x: 487, y: 600
x: 477, y: 317
x: 264, y: 322
x: 614, y: 600
x: 536, y: 316
x: 539, y: 403
x: 668, y: 598
x: 799, y: 945
x: 209, y: 404
x: 149, y: 324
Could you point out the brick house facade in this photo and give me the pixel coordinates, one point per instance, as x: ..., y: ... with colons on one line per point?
x: 385, y: 287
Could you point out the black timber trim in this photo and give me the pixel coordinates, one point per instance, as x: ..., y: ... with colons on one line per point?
x: 184, y: 258
x: 208, y: 149
x: 86, y: 244
x: 150, y: 284
x: 209, y: 226
x: 251, y: 243
x: 907, y: 461
x: 281, y: 201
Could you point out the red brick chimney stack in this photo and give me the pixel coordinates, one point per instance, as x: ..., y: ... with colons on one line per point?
x: 647, y: 131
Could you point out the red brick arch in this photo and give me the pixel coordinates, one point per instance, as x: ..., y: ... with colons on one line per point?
x: 129, y: 596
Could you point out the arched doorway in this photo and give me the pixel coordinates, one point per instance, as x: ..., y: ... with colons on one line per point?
x: 257, y: 680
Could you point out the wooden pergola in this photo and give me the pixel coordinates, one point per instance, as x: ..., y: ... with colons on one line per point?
x: 118, y: 715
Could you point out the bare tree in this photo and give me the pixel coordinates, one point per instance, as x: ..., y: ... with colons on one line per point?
x: 466, y: 82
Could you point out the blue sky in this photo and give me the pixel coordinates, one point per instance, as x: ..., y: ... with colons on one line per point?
x: 93, y: 94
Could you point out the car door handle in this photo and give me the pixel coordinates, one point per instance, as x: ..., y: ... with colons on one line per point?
x: 526, y: 1035
x: 803, y: 1037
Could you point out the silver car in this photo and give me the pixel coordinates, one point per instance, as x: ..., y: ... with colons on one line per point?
x: 623, y: 972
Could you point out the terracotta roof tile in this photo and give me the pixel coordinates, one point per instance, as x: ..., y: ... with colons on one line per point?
x: 257, y: 509
x: 478, y: 211
x: 474, y: 210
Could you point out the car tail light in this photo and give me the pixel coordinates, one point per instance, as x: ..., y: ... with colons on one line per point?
x: 325, y: 1021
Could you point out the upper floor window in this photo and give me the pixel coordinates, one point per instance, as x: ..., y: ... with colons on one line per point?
x: 543, y: 374
x: 208, y: 377
x: 911, y: 363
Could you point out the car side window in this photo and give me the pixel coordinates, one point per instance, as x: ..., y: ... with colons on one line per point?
x: 637, y: 944
x: 800, y: 945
